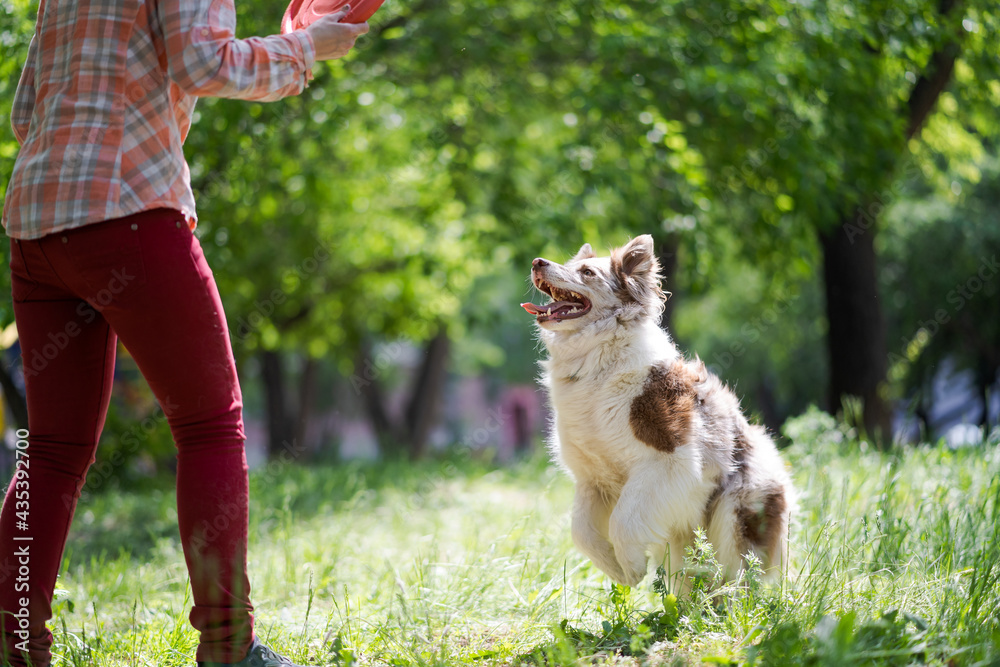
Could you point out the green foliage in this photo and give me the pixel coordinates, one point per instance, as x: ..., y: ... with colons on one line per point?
x: 760, y: 333
x: 734, y: 127
x: 942, y: 278
x: 462, y: 139
x: 134, y: 443
x: 708, y: 606
x: 16, y: 21
x: 896, y: 638
x: 818, y: 428
x: 894, y: 561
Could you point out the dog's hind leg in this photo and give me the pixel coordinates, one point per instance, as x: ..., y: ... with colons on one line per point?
x: 591, y: 513
x: 754, y: 521
x: 727, y: 537
x: 670, y: 556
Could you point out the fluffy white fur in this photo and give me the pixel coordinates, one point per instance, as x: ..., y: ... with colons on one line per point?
x: 656, y: 445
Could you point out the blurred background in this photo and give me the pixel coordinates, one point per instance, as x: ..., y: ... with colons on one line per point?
x: 821, y: 179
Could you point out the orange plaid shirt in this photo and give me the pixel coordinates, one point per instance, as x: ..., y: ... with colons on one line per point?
x: 105, y: 101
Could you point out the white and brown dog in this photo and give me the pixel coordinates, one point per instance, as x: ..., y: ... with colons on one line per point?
x: 657, y: 445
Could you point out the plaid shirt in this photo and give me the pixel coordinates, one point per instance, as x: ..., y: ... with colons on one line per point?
x: 105, y: 101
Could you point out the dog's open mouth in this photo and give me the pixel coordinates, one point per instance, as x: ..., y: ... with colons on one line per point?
x: 565, y: 305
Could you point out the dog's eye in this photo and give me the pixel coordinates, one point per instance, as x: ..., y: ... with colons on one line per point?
x: 587, y: 272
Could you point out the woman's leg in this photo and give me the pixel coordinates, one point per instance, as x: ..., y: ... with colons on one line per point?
x: 68, y: 351
x: 169, y: 316
x: 147, y: 278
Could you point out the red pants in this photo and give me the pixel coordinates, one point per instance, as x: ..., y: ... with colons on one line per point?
x: 144, y: 279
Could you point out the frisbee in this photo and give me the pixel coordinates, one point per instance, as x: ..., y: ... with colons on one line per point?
x: 302, y: 13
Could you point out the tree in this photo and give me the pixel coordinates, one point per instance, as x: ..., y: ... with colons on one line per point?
x: 805, y: 116
x: 15, y: 33
x: 943, y: 278
x: 793, y: 124
x: 464, y: 138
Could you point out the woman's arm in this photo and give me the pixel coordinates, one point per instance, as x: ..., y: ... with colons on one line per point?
x: 24, y: 98
x: 204, y: 57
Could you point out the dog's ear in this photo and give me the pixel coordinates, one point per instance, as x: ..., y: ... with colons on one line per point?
x: 637, y: 258
x: 638, y: 275
x: 585, y: 252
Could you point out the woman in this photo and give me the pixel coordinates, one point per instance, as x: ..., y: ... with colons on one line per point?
x: 100, y: 214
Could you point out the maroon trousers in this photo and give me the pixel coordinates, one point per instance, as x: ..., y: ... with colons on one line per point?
x: 144, y: 279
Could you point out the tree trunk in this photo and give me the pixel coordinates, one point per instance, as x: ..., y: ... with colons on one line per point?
x: 856, y: 336
x: 667, y: 245
x: 922, y: 411
x: 15, y: 400
x: 522, y: 429
x: 768, y: 405
x: 426, y: 394
x: 307, y: 394
x: 410, y: 434
x: 366, y: 383
x: 280, y: 427
x: 986, y: 377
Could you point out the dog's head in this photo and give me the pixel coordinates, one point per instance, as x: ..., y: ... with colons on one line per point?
x: 589, y: 289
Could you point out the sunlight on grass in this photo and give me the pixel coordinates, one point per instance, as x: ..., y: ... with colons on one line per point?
x: 894, y: 562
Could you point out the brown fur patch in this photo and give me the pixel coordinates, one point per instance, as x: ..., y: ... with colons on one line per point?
x: 661, y: 414
x: 762, y: 526
x: 636, y: 273
x: 741, y: 445
x: 713, y: 501
x: 622, y: 291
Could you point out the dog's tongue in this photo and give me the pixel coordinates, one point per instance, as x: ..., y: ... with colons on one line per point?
x: 549, y: 308
x: 533, y: 308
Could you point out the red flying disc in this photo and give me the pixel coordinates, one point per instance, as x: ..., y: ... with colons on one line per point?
x: 301, y: 13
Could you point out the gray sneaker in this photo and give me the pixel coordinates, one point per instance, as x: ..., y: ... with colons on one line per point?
x: 259, y: 656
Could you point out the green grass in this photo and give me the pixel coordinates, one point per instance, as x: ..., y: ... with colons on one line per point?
x: 895, y: 561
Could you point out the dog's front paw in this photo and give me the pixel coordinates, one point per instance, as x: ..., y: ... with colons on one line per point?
x: 630, y: 579
x: 633, y: 565
x: 614, y: 571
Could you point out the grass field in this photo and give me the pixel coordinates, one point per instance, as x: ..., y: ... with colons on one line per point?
x: 895, y: 561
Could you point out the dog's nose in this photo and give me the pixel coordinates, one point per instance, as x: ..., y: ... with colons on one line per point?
x: 539, y: 262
